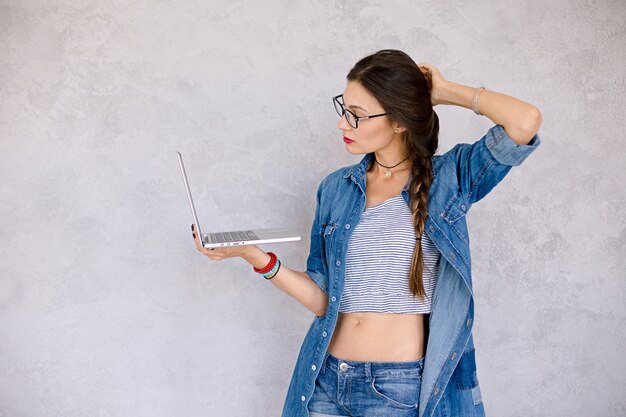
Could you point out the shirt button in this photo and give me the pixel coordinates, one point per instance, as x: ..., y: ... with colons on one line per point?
x: 347, y: 226
x: 436, y: 391
x: 463, y: 207
x: 452, y: 255
x: 432, y: 229
x: 324, y: 334
x: 338, y: 263
x: 333, y: 298
x: 468, y: 322
x: 303, y: 398
x: 453, y: 356
x: 313, y: 367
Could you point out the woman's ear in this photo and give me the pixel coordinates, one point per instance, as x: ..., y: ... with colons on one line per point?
x: 397, y: 128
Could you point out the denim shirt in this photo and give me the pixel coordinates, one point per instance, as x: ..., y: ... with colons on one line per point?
x: 461, y: 176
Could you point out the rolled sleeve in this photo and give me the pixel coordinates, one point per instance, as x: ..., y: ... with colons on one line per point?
x: 480, y: 166
x: 319, y: 279
x: 505, y: 150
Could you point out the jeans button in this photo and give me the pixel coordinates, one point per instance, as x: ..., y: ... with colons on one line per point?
x: 343, y: 366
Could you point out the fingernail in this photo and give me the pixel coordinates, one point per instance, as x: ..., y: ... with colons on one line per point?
x: 192, y: 227
x: 194, y: 235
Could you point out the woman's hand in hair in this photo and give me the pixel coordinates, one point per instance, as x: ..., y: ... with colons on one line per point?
x: 435, y: 81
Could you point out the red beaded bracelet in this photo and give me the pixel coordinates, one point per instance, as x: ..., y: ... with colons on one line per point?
x: 269, y: 266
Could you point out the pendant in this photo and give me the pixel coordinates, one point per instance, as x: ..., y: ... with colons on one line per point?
x: 388, y: 173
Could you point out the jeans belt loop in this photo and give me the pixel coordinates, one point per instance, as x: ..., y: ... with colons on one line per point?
x: 323, y: 368
x: 368, y: 371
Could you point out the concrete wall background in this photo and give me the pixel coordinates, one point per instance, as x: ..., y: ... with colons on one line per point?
x: 106, y: 309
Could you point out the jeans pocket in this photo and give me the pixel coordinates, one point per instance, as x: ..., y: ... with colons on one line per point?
x: 398, y: 392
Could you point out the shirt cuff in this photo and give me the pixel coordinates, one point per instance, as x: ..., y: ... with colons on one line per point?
x: 505, y: 150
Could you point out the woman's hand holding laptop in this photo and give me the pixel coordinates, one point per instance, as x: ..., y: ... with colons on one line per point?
x: 217, y: 254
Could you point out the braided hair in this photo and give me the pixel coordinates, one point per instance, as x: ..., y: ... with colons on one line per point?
x: 395, y: 80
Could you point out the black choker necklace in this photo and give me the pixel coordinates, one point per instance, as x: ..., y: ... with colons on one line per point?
x: 388, y: 173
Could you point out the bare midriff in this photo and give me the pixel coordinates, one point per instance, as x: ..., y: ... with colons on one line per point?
x: 379, y: 337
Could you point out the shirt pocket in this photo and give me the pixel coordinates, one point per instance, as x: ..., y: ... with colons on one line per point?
x: 454, y: 214
x: 327, y: 231
x: 456, y: 208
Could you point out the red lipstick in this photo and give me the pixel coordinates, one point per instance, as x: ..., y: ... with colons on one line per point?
x: 346, y: 140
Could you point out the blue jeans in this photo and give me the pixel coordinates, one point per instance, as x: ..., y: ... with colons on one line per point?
x: 366, y: 389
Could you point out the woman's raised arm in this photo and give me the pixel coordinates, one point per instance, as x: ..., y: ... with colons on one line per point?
x: 521, y: 120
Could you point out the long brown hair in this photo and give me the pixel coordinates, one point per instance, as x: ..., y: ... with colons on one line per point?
x: 395, y: 80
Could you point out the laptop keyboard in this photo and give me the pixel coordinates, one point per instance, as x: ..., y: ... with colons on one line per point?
x: 233, y: 236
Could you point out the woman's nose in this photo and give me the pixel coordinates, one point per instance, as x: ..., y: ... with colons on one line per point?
x: 343, y: 124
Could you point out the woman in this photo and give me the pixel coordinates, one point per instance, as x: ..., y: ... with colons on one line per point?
x: 388, y: 275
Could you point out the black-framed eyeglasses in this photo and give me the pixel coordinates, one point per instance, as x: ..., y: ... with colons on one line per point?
x: 352, y: 119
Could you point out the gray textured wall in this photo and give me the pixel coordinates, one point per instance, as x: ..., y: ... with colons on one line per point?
x: 106, y: 308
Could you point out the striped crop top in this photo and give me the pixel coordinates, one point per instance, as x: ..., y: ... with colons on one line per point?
x: 378, y: 262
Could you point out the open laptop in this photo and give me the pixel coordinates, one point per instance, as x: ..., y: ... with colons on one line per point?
x: 239, y: 237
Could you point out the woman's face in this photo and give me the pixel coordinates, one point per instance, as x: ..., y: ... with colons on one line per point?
x: 371, y: 135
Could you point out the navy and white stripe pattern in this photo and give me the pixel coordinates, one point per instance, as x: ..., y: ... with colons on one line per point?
x: 378, y: 262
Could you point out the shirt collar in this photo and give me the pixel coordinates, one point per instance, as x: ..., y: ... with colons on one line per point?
x: 357, y: 171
